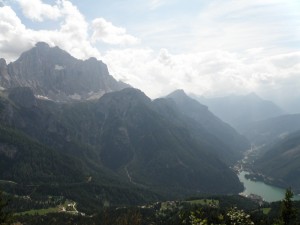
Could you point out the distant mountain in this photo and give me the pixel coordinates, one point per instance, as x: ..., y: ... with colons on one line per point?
x: 54, y: 74
x: 272, y: 130
x: 233, y: 144
x: 281, y: 162
x: 290, y: 105
x: 122, y: 140
x: 239, y: 111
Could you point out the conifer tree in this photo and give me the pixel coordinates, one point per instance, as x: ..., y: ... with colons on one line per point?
x: 288, y: 212
x: 5, y: 217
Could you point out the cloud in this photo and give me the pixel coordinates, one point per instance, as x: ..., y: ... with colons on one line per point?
x: 239, y: 25
x: 14, y: 37
x: 210, y: 73
x: 108, y: 33
x: 38, y: 11
x: 231, y: 48
x: 72, y: 35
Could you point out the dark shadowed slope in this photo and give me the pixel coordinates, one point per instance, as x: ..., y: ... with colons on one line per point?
x: 123, y: 133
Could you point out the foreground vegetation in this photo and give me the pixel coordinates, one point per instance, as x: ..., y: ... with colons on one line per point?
x: 215, y: 210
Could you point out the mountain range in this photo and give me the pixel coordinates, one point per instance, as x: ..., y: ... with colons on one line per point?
x: 241, y: 110
x: 68, y: 128
x: 279, y: 146
x: 266, y: 126
x: 121, y: 148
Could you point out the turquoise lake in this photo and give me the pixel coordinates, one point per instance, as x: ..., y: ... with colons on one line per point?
x: 267, y: 192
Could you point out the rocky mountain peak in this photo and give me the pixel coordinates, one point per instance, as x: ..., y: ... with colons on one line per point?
x: 182, y: 98
x: 92, y: 59
x: 42, y: 53
x: 53, y: 73
x: 178, y: 93
x: 42, y: 45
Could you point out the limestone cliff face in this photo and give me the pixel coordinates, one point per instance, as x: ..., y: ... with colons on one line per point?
x: 4, y: 76
x: 55, y: 74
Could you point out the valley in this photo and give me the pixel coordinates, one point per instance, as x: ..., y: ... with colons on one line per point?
x: 112, y: 147
x: 256, y: 183
x: 153, y: 112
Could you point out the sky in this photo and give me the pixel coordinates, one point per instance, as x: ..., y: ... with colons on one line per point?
x: 206, y: 47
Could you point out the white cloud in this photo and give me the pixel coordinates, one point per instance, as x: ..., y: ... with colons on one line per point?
x: 105, y: 31
x: 72, y: 34
x: 14, y: 37
x: 37, y: 10
x: 211, y: 73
